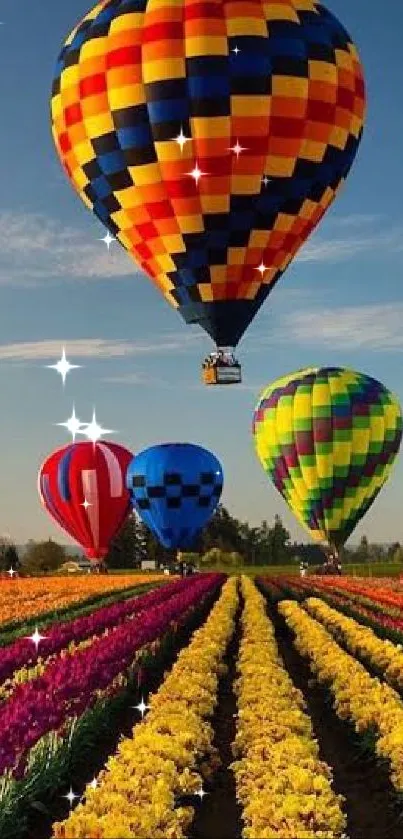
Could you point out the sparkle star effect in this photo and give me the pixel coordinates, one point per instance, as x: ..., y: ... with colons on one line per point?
x: 11, y: 572
x: 265, y: 180
x: 201, y: 793
x: 237, y: 148
x: 181, y: 139
x: 93, y: 431
x: 73, y: 424
x: 94, y: 783
x: 63, y: 366
x: 196, y: 173
x: 262, y: 268
x: 108, y: 239
x: 236, y: 50
x: 142, y: 707
x: 85, y: 504
x: 71, y: 797
x: 36, y: 638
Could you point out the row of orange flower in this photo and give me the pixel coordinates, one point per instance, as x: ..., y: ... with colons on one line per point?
x: 33, y: 596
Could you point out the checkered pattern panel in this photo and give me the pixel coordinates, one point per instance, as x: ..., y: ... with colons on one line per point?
x: 328, y: 438
x: 280, y: 80
x: 174, y: 490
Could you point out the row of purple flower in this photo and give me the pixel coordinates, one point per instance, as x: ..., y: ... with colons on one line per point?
x: 71, y: 684
x: 22, y: 652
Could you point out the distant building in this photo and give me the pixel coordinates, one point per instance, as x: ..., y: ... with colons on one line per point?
x: 148, y: 565
x: 74, y: 566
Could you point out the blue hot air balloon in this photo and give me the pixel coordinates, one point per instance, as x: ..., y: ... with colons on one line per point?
x: 175, y: 488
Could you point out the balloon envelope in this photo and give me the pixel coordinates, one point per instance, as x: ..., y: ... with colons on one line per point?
x: 93, y: 473
x: 175, y: 488
x: 270, y: 98
x: 327, y: 438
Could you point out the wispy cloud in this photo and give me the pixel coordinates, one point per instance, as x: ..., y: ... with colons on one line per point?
x: 139, y: 379
x: 341, y: 249
x: 81, y: 348
x: 356, y: 219
x: 35, y: 248
x: 356, y: 327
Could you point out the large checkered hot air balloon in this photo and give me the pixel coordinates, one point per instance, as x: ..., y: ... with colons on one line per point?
x: 175, y: 488
x: 327, y: 438
x: 83, y: 487
x: 209, y: 138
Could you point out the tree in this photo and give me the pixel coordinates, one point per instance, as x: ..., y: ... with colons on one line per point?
x: 43, y: 556
x: 280, y: 543
x: 235, y: 559
x: 362, y: 554
x: 211, y: 557
x: 8, y: 556
x: 222, y: 531
x: 126, y: 549
x: 397, y: 555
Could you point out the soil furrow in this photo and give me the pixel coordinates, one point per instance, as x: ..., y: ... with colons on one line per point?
x: 218, y: 816
x: 370, y: 803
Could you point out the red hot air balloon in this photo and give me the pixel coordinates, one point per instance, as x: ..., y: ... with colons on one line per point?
x: 83, y: 487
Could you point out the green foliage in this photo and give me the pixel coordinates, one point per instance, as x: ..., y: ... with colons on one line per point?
x: 8, y: 556
x: 224, y: 559
x: 190, y: 558
x: 43, y: 556
x: 133, y: 543
x: 238, y: 542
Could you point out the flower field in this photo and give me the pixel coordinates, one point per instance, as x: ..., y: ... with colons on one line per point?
x: 204, y: 707
x: 24, y: 598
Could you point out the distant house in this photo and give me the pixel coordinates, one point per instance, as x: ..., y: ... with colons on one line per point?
x: 148, y: 564
x: 75, y: 566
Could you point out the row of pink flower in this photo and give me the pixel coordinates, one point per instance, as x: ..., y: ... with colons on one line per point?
x: 22, y: 652
x: 70, y: 684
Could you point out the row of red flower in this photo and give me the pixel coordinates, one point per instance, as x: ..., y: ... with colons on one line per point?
x: 280, y: 587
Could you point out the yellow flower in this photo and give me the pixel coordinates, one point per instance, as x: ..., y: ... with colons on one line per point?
x: 136, y: 792
x: 284, y: 789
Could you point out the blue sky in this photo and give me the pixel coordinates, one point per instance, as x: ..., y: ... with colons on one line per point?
x: 340, y: 303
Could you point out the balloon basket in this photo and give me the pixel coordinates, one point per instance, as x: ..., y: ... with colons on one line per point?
x: 222, y: 374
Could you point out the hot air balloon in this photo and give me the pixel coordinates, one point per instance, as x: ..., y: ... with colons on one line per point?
x: 210, y: 139
x: 327, y: 438
x: 82, y: 486
x: 175, y: 488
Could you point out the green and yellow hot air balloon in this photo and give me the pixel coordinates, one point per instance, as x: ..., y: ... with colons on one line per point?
x: 327, y: 438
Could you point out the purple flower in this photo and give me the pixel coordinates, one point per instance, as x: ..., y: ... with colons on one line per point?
x: 68, y: 685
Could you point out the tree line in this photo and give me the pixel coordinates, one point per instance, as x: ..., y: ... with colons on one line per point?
x: 225, y: 541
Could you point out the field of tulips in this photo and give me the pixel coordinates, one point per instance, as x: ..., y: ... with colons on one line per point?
x: 282, y: 699
x: 31, y: 597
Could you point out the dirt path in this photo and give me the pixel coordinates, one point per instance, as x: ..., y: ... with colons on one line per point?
x: 218, y: 816
x: 370, y: 801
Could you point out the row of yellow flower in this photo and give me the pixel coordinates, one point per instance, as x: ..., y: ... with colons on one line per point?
x: 169, y: 752
x: 283, y: 786
x: 360, y: 640
x: 31, y: 596
x: 367, y: 702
